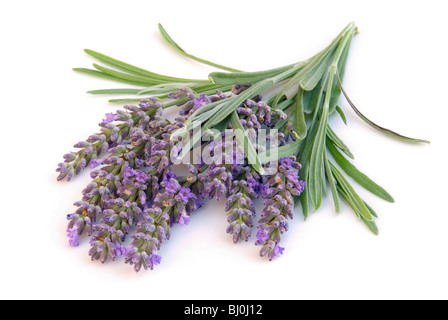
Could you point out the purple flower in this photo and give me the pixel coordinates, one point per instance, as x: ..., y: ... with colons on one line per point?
x: 110, y: 117
x: 168, y: 176
x: 140, y: 162
x: 185, y: 194
x: 95, y: 163
x: 201, y: 101
x: 141, y: 176
x: 292, y: 175
x: 286, y: 162
x: 128, y: 172
x: 184, y: 220
x: 251, y: 182
x: 73, y: 237
x: 172, y: 186
x: 155, y: 259
x: 278, y: 250
x: 262, y: 235
x: 121, y: 251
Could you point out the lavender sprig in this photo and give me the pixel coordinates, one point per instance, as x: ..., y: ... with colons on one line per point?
x: 240, y: 204
x: 172, y: 205
x: 111, y: 136
x: 278, y: 193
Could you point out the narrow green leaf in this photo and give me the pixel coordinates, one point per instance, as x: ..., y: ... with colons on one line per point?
x: 123, y: 101
x: 107, y: 76
x: 299, y: 116
x: 370, y: 224
x: 371, y: 210
x: 244, y: 140
x: 338, y: 142
x: 304, y: 157
x: 165, y: 87
x: 304, y: 200
x: 114, y: 91
x: 312, y: 77
x: 336, y: 90
x: 358, y: 204
x: 310, y: 99
x: 207, y: 108
x: 332, y: 183
x: 274, y: 154
x: 357, y: 175
x: 342, y: 114
x: 234, y: 78
x: 126, y: 76
x: 284, y: 105
x: 172, y: 43
x: 223, y: 125
x: 135, y: 70
x: 316, y: 180
x: 374, y: 125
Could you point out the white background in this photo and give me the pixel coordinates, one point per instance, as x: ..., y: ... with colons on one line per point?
x: 396, y: 74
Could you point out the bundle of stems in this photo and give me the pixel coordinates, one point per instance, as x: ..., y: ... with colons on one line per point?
x: 296, y: 101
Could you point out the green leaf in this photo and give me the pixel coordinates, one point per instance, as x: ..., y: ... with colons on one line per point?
x: 374, y: 125
x: 310, y: 99
x: 370, y: 224
x: 223, y: 125
x: 316, y: 180
x: 124, y: 101
x: 342, y: 114
x: 107, y: 76
x: 114, y: 91
x: 284, y: 105
x: 207, y: 108
x: 244, y: 140
x: 371, y: 210
x: 312, y: 77
x: 299, y: 116
x: 172, y: 43
x: 126, y: 76
x: 357, y: 175
x: 304, y: 200
x: 332, y: 183
x: 338, y: 142
x: 234, y: 78
x: 164, y: 88
x: 274, y: 154
x: 135, y: 70
x: 336, y: 90
x: 356, y: 202
x: 304, y: 157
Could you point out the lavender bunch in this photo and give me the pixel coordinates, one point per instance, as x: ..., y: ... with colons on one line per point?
x: 260, y: 134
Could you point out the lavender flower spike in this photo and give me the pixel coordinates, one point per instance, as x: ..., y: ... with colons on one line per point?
x: 240, y: 206
x: 278, y: 193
